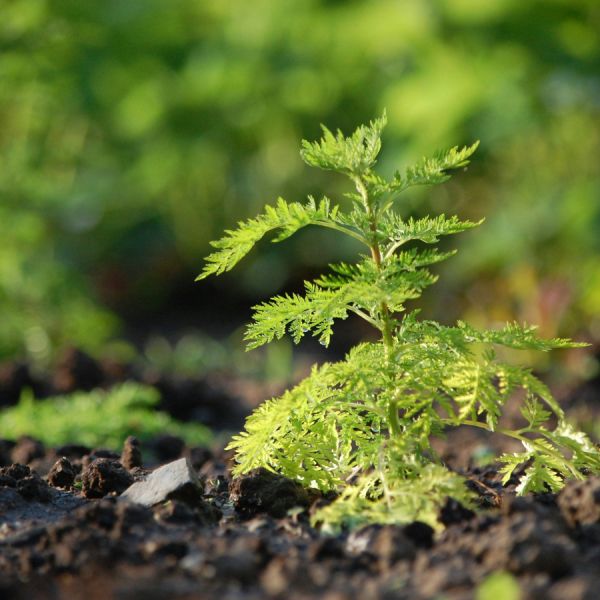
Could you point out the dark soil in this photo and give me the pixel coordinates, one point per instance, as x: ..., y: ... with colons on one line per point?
x: 67, y: 534
x: 61, y: 540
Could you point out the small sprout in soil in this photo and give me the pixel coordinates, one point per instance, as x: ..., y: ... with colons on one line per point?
x: 369, y: 419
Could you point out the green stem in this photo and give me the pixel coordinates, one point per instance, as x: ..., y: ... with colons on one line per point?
x: 396, y: 246
x: 385, y: 312
x: 362, y: 315
x: 392, y: 418
x: 353, y: 234
x: 386, y: 328
x: 381, y: 469
x: 377, y: 258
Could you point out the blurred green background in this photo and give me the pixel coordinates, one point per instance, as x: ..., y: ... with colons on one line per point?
x: 132, y: 133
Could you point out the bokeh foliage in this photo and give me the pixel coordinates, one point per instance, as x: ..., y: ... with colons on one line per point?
x: 97, y: 419
x: 132, y: 133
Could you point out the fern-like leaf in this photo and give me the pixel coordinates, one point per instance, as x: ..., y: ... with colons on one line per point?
x: 287, y: 217
x: 432, y: 171
x: 396, y: 232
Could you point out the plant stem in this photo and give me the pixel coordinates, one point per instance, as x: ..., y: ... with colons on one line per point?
x: 392, y: 418
x: 376, y: 256
x: 385, y: 312
x: 386, y: 329
x: 353, y: 234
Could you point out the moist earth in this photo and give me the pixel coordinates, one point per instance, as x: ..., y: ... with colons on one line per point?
x: 68, y: 532
x: 71, y: 535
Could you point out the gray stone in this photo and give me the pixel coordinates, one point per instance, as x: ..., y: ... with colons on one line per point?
x: 175, y: 481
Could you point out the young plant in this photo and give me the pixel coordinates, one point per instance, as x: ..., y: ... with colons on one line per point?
x: 369, y: 419
x: 99, y: 419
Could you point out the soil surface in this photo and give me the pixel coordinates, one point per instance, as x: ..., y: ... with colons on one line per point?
x: 69, y: 535
x: 66, y: 532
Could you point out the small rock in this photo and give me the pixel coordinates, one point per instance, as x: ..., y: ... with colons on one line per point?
x: 27, y: 449
x: 132, y: 453
x: 262, y: 491
x: 175, y: 481
x: 103, y: 477
x: 62, y: 474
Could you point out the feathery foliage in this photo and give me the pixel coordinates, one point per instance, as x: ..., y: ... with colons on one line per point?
x: 98, y: 419
x: 369, y: 419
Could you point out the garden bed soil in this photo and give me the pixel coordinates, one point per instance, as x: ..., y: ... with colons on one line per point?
x: 239, y: 540
x: 67, y: 533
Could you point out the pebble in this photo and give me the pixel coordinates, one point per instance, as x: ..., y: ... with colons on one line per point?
x: 175, y: 481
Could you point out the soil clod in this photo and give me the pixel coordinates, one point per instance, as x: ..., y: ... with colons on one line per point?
x: 132, y: 453
x: 105, y: 476
x: 262, y: 491
x: 62, y: 474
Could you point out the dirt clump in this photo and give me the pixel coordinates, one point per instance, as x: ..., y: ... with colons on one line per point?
x: 62, y: 474
x: 262, y: 491
x: 131, y: 457
x: 27, y: 483
x: 105, y: 476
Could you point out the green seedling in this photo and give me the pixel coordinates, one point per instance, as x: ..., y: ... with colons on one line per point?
x: 370, y: 418
x: 96, y: 419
